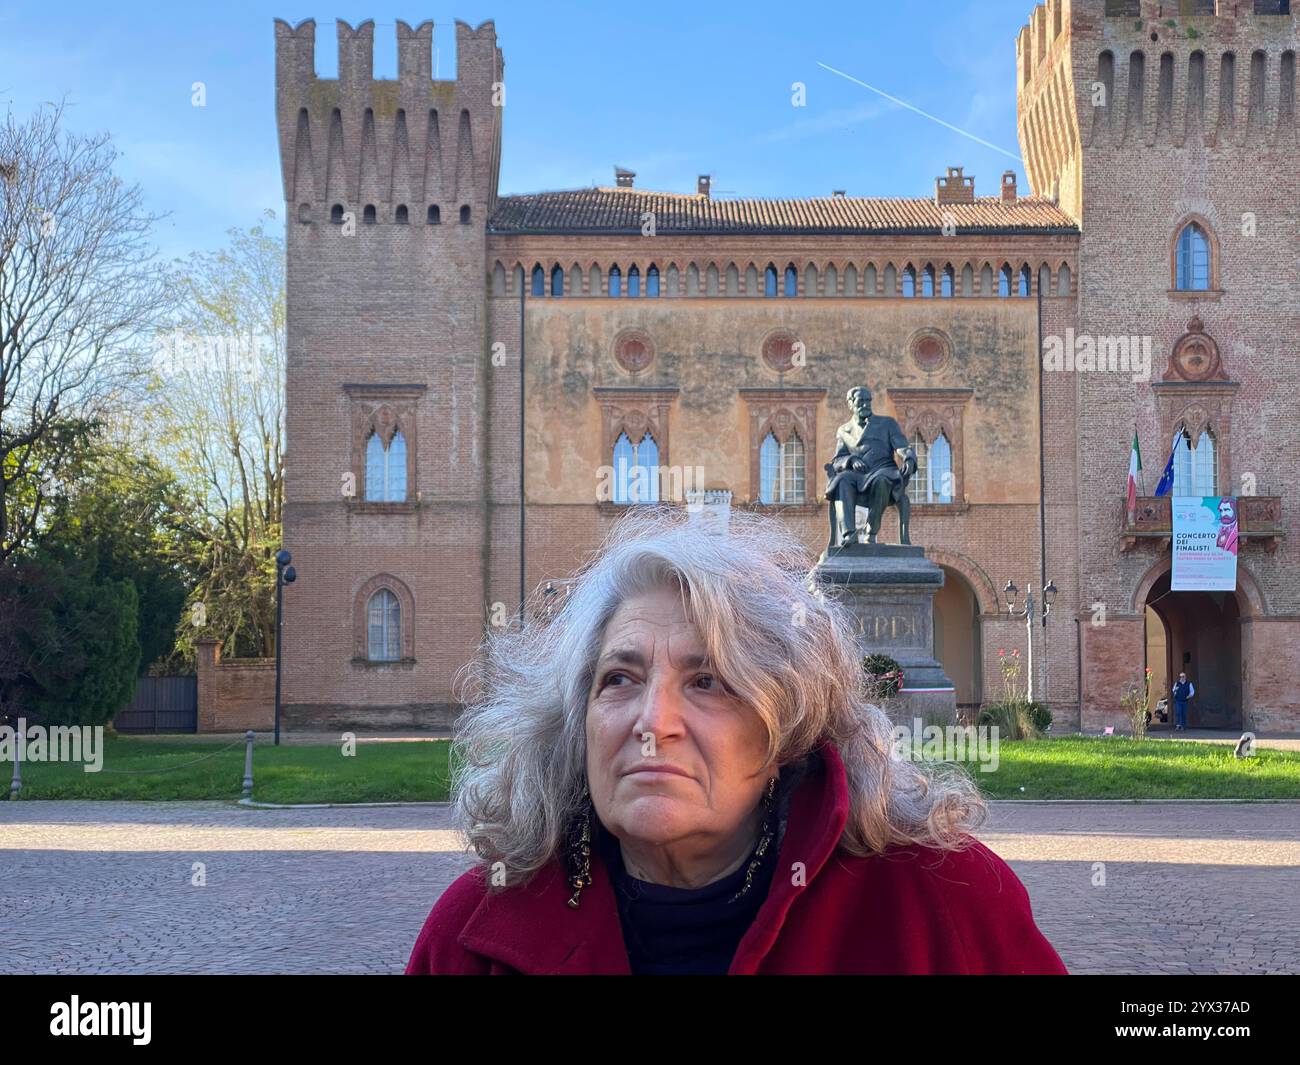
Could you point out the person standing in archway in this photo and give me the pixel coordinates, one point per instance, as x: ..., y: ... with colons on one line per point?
x: 1182, y: 691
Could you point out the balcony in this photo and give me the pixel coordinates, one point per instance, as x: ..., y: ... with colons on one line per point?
x: 1259, y: 519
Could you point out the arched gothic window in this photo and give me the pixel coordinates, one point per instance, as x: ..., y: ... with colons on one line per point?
x: 781, y: 470
x: 383, y: 627
x: 386, y: 469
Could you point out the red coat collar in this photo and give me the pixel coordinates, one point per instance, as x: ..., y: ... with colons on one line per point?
x: 533, y: 930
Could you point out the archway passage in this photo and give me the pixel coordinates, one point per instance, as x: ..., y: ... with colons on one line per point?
x: 1198, y: 633
x: 957, y: 637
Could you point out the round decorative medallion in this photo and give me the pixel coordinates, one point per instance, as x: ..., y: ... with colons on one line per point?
x: 930, y: 349
x: 779, y: 350
x: 1195, y: 356
x: 634, y: 351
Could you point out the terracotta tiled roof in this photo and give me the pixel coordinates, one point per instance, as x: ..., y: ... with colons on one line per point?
x: 615, y: 210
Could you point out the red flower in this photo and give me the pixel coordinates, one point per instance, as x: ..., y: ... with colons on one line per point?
x: 1002, y: 652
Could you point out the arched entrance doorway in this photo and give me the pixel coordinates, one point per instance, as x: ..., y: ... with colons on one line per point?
x: 1198, y: 633
x: 957, y: 637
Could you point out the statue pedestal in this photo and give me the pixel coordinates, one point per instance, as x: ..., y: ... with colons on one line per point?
x: 890, y: 589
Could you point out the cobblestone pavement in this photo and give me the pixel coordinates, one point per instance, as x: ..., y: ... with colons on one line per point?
x: 108, y: 887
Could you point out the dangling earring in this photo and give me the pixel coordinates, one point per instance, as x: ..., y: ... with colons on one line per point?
x: 579, y: 852
x: 765, y: 837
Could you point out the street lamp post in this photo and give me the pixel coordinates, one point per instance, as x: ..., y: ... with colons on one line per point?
x: 1012, y: 593
x: 284, y: 574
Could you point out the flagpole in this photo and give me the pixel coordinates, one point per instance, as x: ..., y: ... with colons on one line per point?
x: 1142, y: 480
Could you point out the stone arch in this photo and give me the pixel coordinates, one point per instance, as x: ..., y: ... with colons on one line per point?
x: 979, y: 581
x: 1250, y: 596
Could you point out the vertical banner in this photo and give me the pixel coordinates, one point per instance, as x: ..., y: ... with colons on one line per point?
x: 1205, y: 544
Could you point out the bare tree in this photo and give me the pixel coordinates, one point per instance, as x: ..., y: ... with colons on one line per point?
x: 80, y: 298
x: 219, y: 409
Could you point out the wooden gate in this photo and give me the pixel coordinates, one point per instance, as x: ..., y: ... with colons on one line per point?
x: 161, y: 704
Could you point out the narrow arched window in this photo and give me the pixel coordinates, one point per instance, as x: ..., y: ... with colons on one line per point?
x: 368, y: 215
x: 434, y: 216
x: 917, y: 486
x: 557, y: 281
x: 336, y: 214
x: 401, y: 217
x: 615, y: 281
x: 940, y: 470
x: 304, y: 212
x: 769, y: 281
x: 781, y: 470
x: 1004, y: 282
x: 791, y: 281
x: 383, y: 627
x: 636, y: 470
x: 927, y: 282
x: 933, y: 480
x: 464, y: 215
x: 948, y: 283
x: 909, y: 281
x: 1193, y: 259
x: 634, y: 281
x: 539, y: 281
x: 386, y: 469
x: 1022, y: 281
x: 1196, y: 467
x: 652, y: 282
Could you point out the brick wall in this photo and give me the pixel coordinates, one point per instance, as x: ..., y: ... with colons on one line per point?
x: 236, y: 694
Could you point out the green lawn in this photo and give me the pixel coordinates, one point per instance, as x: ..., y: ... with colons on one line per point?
x: 147, y: 768
x: 1116, y: 767
x: 1068, y: 767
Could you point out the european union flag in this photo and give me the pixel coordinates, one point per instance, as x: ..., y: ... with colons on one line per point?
x: 1166, y: 484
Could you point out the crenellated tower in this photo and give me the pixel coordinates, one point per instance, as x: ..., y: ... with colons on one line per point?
x: 1168, y: 130
x: 388, y: 187
x: 413, y: 141
x: 1139, y: 77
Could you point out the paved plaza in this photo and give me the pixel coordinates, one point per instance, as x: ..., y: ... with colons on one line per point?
x: 112, y: 887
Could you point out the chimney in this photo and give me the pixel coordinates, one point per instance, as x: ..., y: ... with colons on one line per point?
x: 837, y: 194
x: 702, y: 184
x: 1009, y: 186
x: 623, y: 178
x: 954, y: 188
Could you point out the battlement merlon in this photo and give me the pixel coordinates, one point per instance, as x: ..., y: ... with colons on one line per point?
x: 1129, y: 21
x: 478, y: 59
x: 413, y: 137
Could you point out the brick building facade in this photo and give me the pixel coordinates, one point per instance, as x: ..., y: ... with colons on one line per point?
x: 714, y: 340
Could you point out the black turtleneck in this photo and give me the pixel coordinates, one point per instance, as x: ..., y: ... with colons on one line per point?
x: 680, y: 931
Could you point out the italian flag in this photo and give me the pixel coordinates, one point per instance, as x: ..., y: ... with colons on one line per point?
x: 1134, y: 466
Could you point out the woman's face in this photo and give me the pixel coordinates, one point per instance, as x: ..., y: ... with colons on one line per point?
x: 672, y: 755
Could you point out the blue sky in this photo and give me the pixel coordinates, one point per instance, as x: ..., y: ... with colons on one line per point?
x: 669, y: 90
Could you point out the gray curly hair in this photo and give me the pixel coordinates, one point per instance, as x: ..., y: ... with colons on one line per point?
x: 787, y: 650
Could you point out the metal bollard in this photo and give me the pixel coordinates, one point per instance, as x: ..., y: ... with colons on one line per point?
x: 248, y: 764
x: 16, y: 785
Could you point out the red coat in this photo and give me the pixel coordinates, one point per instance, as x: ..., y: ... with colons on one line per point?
x: 909, y: 910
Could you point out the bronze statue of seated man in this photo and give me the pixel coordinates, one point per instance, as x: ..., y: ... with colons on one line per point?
x: 863, y: 472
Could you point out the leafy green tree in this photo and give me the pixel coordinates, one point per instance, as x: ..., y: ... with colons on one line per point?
x: 78, y: 648
x: 135, y: 515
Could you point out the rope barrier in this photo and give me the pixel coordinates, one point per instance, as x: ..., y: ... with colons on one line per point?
x: 182, y: 765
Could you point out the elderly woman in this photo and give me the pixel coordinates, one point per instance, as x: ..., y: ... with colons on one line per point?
x: 680, y: 773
